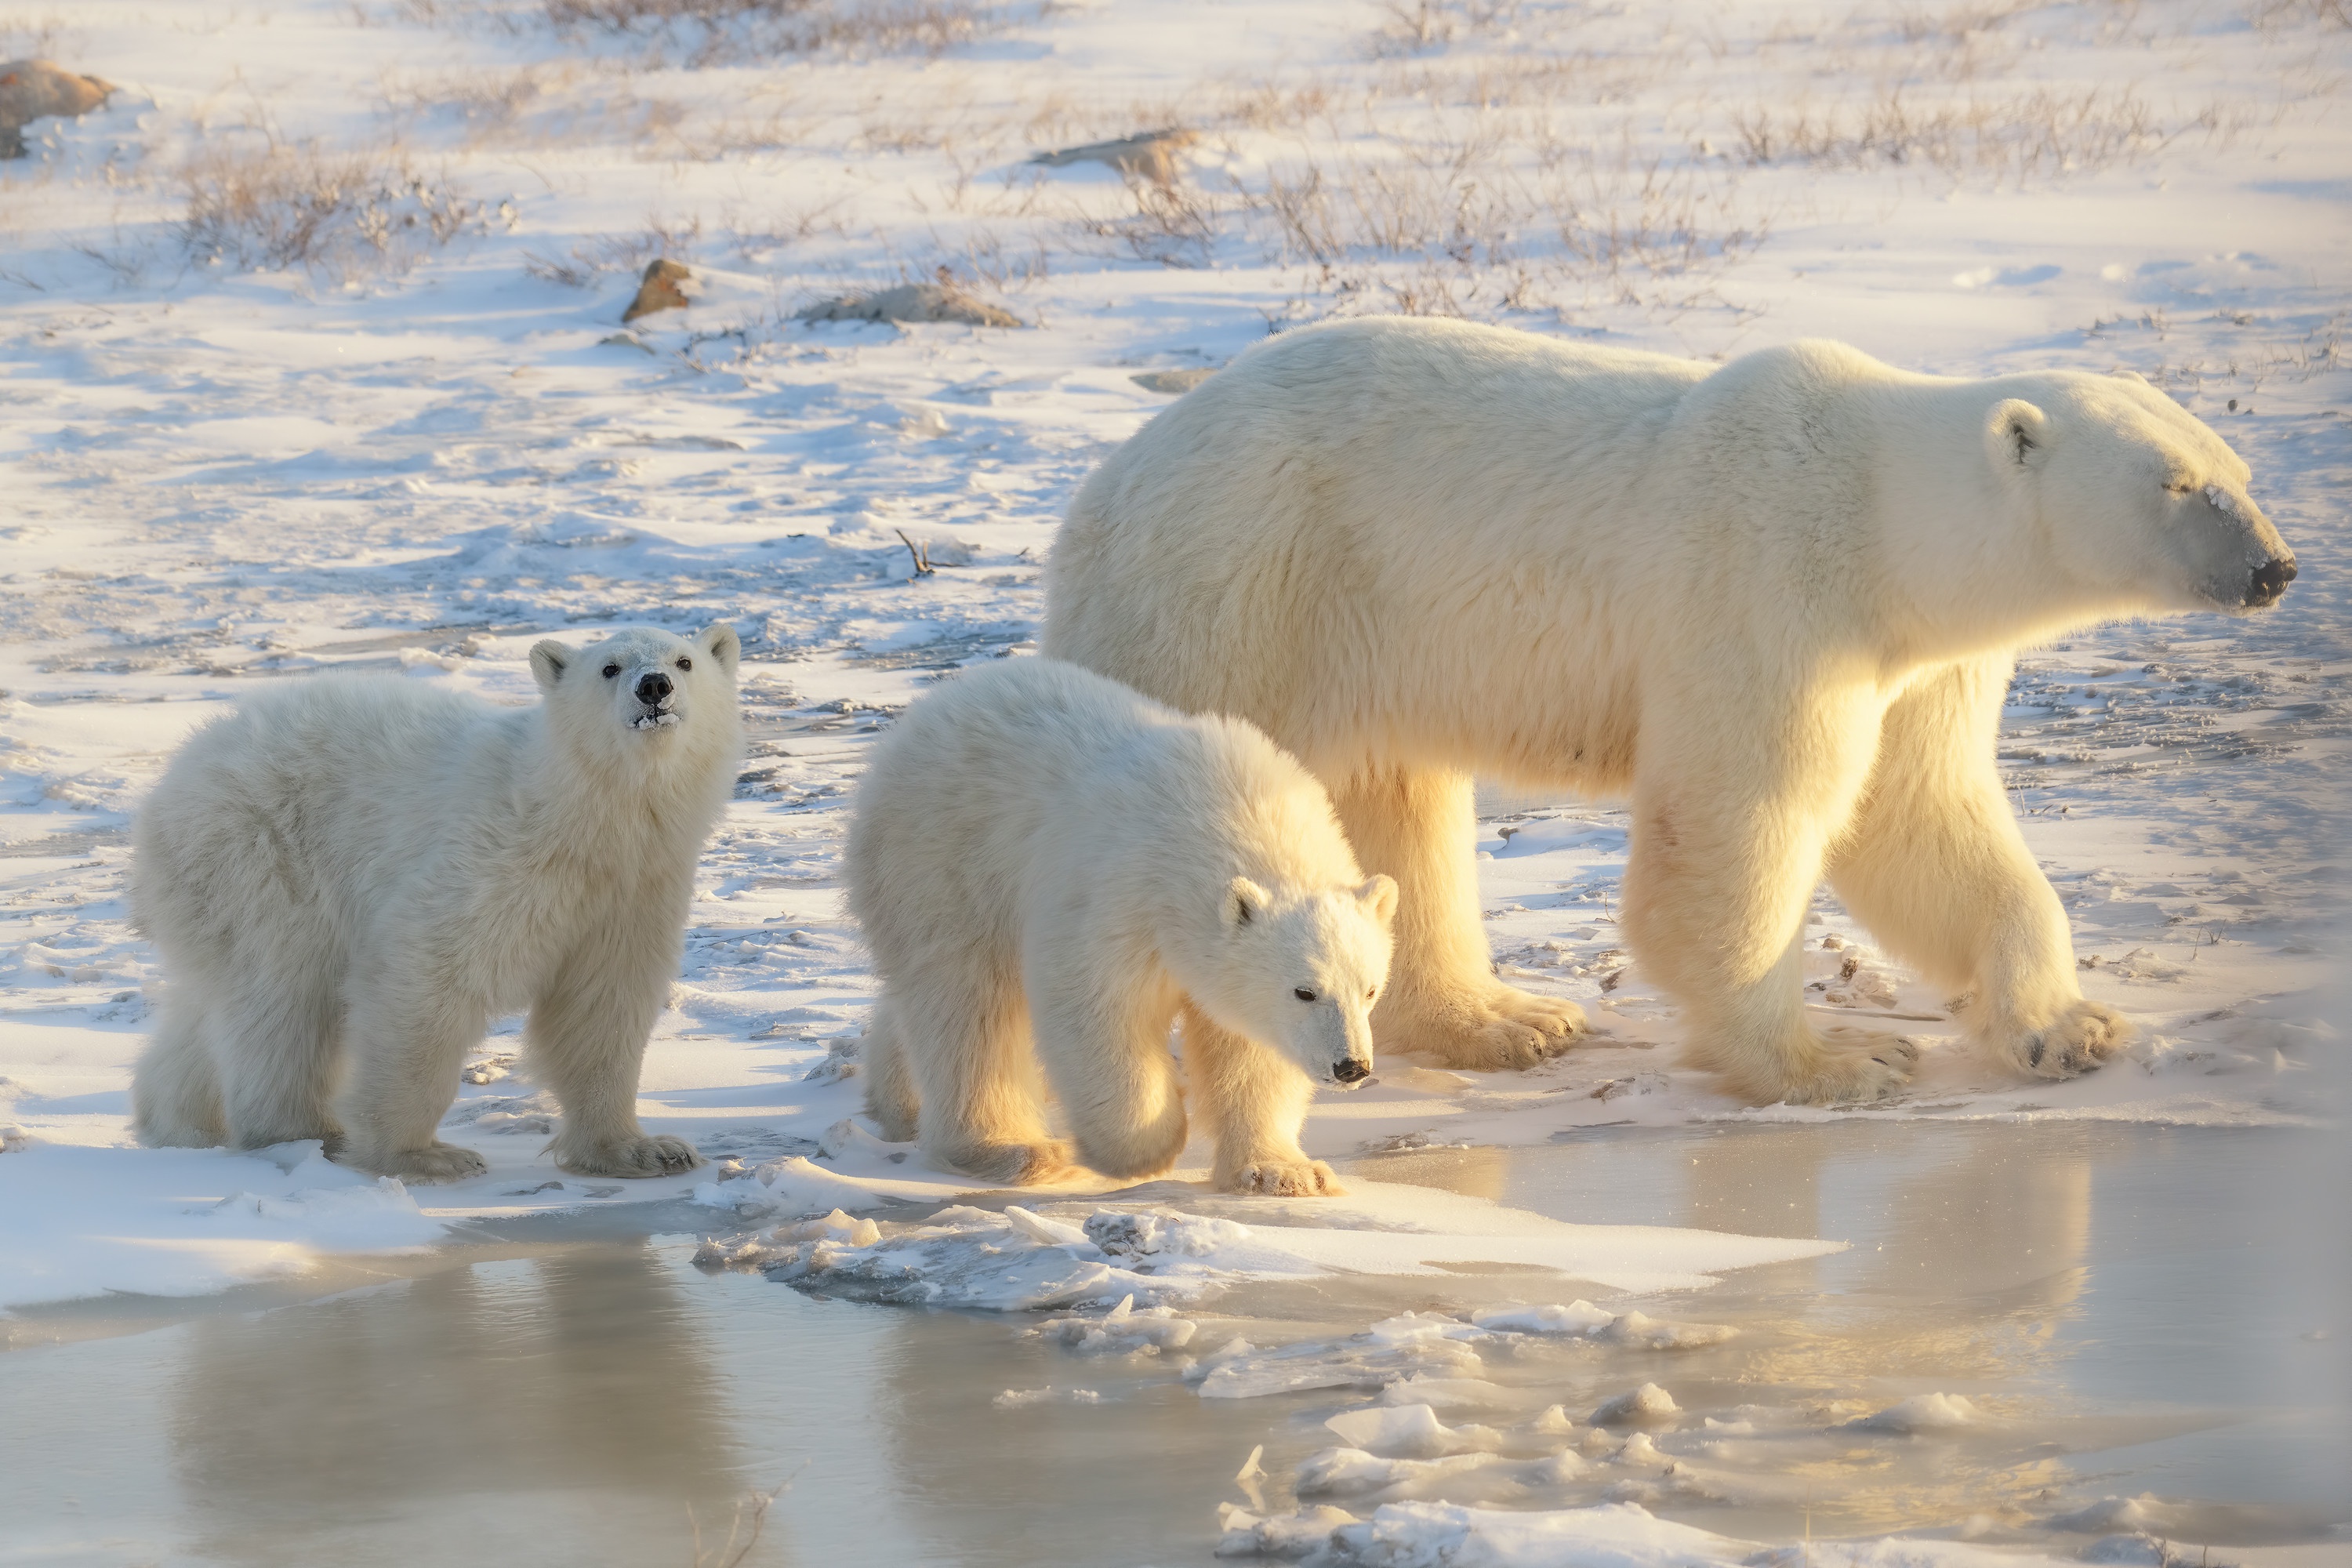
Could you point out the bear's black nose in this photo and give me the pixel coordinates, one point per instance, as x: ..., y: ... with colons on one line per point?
x: 653, y: 689
x: 2271, y: 579
x: 1351, y: 1071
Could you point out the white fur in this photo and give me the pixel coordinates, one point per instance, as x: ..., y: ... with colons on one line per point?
x: 1776, y: 601
x: 1041, y: 856
x: 349, y: 878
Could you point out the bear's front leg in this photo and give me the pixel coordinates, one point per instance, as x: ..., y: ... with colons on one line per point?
x: 1934, y: 864
x: 406, y: 1043
x: 1443, y: 999
x: 1253, y: 1101
x: 1734, y: 807
x: 1102, y: 1038
x: 586, y: 1039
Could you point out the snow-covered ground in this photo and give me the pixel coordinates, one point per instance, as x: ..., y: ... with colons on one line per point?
x: 313, y: 359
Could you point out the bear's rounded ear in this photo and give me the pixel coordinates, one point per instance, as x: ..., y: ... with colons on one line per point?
x: 724, y: 646
x: 2129, y: 375
x: 549, y: 661
x: 1244, y: 901
x: 1379, y: 894
x: 2017, y: 433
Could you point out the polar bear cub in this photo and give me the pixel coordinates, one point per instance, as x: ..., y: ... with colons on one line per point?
x: 1040, y: 856
x: 349, y: 878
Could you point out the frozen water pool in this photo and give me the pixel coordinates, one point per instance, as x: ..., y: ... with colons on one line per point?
x: 2030, y: 1320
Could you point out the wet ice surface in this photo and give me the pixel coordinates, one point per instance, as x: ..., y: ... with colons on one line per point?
x: 2039, y: 1341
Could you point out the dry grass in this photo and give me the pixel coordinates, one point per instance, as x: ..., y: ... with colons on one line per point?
x: 590, y: 259
x: 43, y: 35
x: 344, y: 215
x: 2013, y: 138
x: 713, y: 32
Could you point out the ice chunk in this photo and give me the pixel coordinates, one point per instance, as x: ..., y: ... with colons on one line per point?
x: 1645, y: 1404
x: 1920, y: 1413
x: 1288, y: 1537
x: 1579, y: 1317
x: 1351, y: 1472
x: 1016, y: 1398
x: 1122, y: 1331
x: 1360, y: 1361
x: 1410, y: 1431
x: 1619, y: 1535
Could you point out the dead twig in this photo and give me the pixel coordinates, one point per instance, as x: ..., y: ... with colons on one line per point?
x: 921, y: 554
x: 750, y: 1517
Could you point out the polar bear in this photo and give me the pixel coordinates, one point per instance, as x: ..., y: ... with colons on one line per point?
x: 349, y: 878
x: 1040, y: 856
x: 1776, y: 601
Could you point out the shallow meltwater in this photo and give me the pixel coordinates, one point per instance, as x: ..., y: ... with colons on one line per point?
x: 2056, y: 1340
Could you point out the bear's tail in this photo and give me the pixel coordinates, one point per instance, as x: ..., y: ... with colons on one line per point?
x: 175, y: 1100
x: 890, y: 1096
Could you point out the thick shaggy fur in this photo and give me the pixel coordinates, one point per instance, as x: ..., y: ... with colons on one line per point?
x: 349, y: 878
x: 1049, y: 869
x: 1775, y: 601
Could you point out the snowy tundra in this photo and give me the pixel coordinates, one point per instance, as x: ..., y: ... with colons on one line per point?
x: 348, y: 880
x: 1040, y: 855
x: 1776, y: 601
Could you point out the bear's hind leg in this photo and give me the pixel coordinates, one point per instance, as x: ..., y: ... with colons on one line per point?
x: 1935, y: 866
x: 891, y: 1096
x: 175, y: 1100
x: 1253, y: 1101
x: 1443, y: 998
x: 966, y: 1037
x: 274, y: 1045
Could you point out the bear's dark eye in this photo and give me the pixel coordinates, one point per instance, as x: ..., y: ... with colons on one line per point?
x: 610, y: 670
x: 1304, y: 995
x: 686, y: 664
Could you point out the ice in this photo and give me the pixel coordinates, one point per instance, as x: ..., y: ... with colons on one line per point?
x: 1351, y: 1472
x: 1921, y: 1413
x: 1642, y: 1405
x: 1020, y: 1398
x: 1579, y: 1317
x: 1410, y: 1431
x: 1288, y: 1537
x: 1122, y: 1331
x: 1583, y: 1319
x: 176, y: 1222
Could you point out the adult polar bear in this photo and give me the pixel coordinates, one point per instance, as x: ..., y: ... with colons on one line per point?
x: 1775, y: 601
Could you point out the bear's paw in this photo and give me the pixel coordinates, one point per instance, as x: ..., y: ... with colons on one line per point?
x: 2080, y: 1039
x: 651, y: 1155
x: 1490, y: 1031
x: 1848, y: 1066
x: 434, y: 1163
x: 1299, y: 1178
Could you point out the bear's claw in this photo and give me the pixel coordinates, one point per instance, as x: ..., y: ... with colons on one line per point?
x: 1502, y: 1028
x: 655, y: 1155
x: 2079, y: 1040
x: 434, y: 1163
x: 1300, y: 1178
x: 1847, y: 1066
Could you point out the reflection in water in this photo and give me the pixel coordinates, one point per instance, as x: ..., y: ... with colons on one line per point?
x: 2096, y: 1294
x: 432, y: 1415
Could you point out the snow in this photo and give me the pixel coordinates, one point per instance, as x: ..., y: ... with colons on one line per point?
x: 420, y: 460
x: 77, y: 1221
